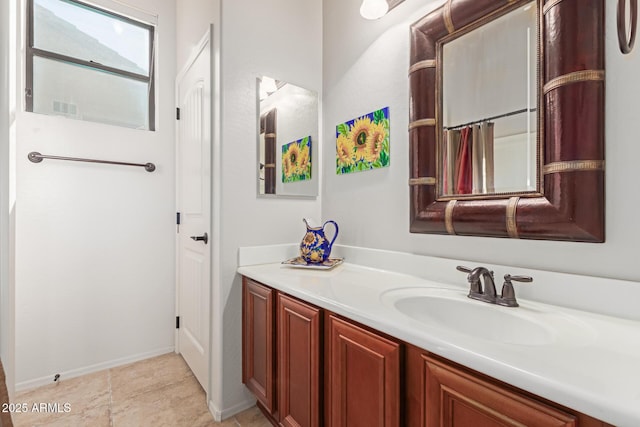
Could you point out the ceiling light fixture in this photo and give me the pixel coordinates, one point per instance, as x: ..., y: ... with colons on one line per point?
x: 374, y: 9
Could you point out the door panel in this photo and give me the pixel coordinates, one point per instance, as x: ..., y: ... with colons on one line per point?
x: 299, y: 363
x: 194, y: 205
x: 193, y: 318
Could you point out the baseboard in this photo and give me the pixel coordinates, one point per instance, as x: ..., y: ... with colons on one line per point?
x: 219, y: 415
x: 27, y: 385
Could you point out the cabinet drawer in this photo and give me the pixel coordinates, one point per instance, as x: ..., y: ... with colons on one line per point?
x: 455, y: 398
x: 439, y: 393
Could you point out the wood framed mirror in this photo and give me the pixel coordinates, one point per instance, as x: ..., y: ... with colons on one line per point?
x: 567, y: 202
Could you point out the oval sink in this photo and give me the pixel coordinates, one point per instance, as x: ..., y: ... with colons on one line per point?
x: 530, y: 324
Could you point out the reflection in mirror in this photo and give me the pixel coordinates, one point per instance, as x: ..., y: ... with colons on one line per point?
x: 287, y: 113
x: 267, y: 149
x: 489, y: 136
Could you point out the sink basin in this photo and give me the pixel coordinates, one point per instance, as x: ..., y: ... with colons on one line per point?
x: 530, y: 324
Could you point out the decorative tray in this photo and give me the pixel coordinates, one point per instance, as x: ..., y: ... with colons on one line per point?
x: 299, y: 262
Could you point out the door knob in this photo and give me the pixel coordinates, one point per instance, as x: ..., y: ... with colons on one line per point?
x: 204, y: 238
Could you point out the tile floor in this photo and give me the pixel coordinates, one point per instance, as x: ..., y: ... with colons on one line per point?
x: 160, y: 391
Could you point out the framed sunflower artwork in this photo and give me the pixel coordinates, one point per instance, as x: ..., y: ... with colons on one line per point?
x: 296, y: 160
x: 363, y: 144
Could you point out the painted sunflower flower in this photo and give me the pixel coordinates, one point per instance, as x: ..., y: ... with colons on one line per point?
x: 360, y: 133
x: 374, y: 144
x: 309, y: 238
x: 294, y: 156
x: 286, y: 165
x: 304, y: 160
x: 344, y: 151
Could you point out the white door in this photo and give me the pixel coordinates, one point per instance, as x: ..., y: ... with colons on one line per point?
x: 194, y: 206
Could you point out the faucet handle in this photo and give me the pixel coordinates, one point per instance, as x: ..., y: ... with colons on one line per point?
x: 508, y: 294
x: 475, y: 287
x: 524, y: 279
x: 464, y: 269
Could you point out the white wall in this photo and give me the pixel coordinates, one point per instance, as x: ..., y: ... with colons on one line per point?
x: 4, y: 165
x: 193, y: 18
x: 95, y: 243
x: 6, y: 196
x: 280, y: 39
x: 365, y: 67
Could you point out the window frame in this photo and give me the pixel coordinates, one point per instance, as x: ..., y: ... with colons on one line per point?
x: 32, y: 52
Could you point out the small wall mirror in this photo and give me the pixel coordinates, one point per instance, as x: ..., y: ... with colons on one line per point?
x: 287, y: 139
x: 489, y: 137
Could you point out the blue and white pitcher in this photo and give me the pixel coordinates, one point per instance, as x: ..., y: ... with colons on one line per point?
x: 315, y: 248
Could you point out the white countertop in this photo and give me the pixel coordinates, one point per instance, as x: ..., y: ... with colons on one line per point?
x: 599, y: 377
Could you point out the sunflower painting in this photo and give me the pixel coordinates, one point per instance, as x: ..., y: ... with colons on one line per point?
x: 296, y: 160
x: 363, y: 143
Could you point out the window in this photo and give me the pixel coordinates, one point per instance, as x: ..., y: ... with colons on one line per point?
x: 90, y: 64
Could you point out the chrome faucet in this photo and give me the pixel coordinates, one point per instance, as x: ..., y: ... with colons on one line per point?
x: 487, y: 293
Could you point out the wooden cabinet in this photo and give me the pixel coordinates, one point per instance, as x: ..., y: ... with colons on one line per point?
x: 311, y: 368
x: 258, y: 341
x: 299, y: 361
x: 455, y: 398
x: 362, y: 377
x: 440, y: 394
x: 281, y: 355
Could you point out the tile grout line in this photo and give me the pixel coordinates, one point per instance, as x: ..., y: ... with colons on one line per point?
x: 110, y: 398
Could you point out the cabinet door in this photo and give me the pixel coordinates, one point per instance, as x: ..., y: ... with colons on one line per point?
x: 299, y: 363
x: 258, y: 341
x: 456, y: 398
x: 363, y: 377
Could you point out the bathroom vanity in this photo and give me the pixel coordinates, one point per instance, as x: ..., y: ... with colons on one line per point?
x: 340, y: 348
